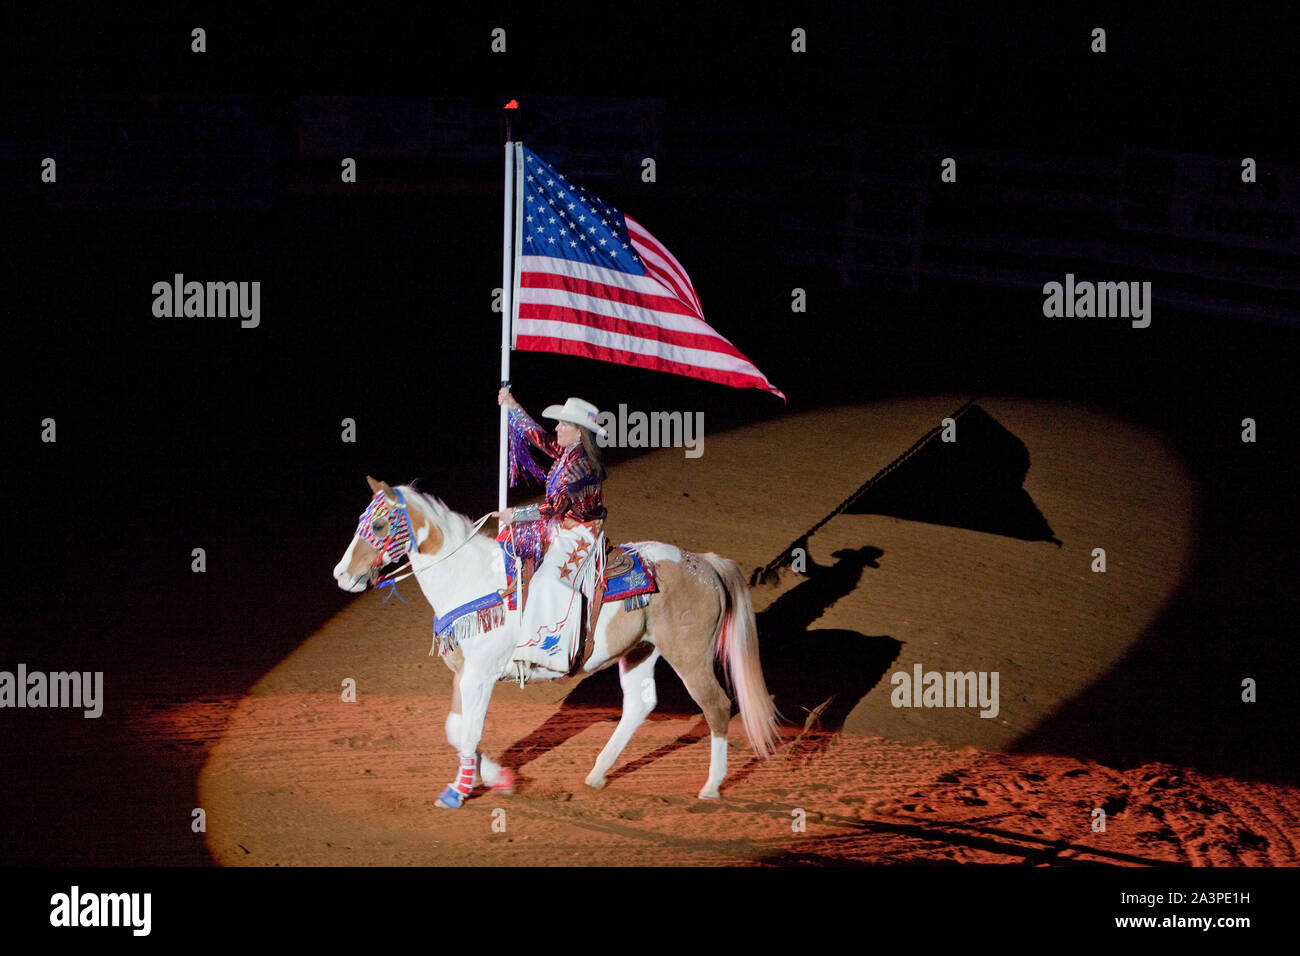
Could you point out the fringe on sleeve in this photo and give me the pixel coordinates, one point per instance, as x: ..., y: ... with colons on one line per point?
x: 522, y: 464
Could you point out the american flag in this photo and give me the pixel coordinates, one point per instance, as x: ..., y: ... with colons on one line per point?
x: 593, y: 282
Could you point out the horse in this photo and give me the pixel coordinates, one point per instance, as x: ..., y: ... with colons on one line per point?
x: 702, y: 612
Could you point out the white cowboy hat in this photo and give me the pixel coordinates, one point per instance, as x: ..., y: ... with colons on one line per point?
x: 576, y: 412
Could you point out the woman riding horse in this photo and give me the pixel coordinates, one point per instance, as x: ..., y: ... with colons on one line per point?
x: 565, y: 532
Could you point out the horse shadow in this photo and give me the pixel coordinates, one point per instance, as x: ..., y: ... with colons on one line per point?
x: 815, y: 675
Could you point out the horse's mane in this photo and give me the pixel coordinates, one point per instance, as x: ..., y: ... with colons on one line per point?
x: 445, y: 518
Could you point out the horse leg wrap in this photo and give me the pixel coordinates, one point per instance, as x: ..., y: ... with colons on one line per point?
x: 456, y: 792
x: 505, y: 781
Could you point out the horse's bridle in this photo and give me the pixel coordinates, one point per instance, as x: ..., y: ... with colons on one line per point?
x: 399, y: 539
x: 398, y: 535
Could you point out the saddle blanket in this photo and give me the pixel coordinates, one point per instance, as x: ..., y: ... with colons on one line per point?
x: 637, y: 580
x: 628, y: 575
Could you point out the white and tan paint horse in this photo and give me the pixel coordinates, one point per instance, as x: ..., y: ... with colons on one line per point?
x: 702, y: 612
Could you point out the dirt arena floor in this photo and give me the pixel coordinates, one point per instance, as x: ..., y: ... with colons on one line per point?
x: 1098, y: 705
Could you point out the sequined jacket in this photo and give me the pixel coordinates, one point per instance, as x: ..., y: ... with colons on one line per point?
x: 572, y: 488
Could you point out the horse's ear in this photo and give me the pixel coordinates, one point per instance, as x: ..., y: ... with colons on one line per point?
x: 389, y: 494
x: 378, y: 486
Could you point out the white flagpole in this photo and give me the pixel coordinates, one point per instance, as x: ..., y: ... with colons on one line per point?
x: 509, y: 295
x: 507, y: 313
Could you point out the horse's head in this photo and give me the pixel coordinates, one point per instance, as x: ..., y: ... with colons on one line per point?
x: 387, y: 530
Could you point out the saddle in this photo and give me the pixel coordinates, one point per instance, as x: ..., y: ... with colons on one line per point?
x: 618, y: 561
x: 628, y: 576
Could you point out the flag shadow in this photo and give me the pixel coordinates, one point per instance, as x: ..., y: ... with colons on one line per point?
x: 972, y: 481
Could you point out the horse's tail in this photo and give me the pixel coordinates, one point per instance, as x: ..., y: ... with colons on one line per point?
x: 737, y: 648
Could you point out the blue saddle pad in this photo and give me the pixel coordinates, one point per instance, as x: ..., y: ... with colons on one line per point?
x: 639, y: 580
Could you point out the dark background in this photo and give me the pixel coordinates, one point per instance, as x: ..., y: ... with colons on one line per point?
x: 775, y: 171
